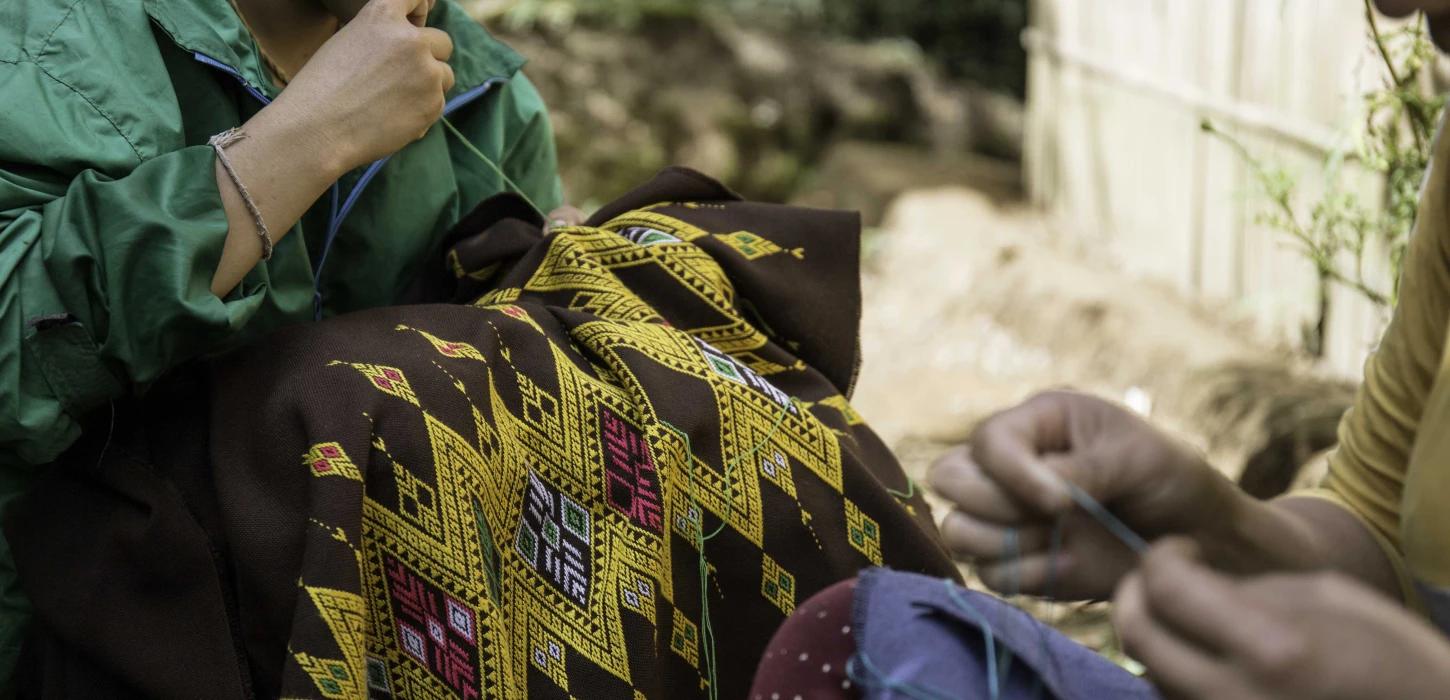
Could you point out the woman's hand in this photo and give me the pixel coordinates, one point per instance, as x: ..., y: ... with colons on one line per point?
x: 1012, y: 478
x: 375, y: 86
x: 1204, y: 636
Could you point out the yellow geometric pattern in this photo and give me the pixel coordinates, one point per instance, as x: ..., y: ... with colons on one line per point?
x: 499, y: 547
x: 777, y: 585
x: 329, y: 459
x: 446, y: 348
x: 753, y: 247
x: 389, y: 380
x: 775, y: 467
x: 841, y: 404
x: 685, y: 638
x: 863, y: 533
x: 347, y: 619
x: 548, y: 655
x: 333, y: 678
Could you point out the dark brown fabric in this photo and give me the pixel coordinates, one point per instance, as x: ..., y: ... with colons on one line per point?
x: 502, y: 499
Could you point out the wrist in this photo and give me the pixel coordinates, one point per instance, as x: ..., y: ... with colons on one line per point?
x: 311, y: 141
x: 1254, y: 537
x: 1220, y: 530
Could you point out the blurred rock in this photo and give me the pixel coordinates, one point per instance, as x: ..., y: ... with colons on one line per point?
x: 869, y: 176
x: 760, y: 110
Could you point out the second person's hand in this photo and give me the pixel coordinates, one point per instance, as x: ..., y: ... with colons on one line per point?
x: 1317, y: 636
x: 1010, y: 482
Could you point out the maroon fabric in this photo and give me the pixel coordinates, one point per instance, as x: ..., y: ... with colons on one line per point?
x: 806, y: 659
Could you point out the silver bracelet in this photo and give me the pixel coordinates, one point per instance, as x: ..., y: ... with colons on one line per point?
x: 220, y: 142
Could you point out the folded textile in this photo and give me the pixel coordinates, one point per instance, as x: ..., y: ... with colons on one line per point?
x: 923, y: 637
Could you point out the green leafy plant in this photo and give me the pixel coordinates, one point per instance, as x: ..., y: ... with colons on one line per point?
x: 1338, y: 231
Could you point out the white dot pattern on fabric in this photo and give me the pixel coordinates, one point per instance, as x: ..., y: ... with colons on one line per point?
x: 826, y: 668
x: 821, y: 615
x: 846, y: 629
x: 804, y: 656
x: 845, y: 685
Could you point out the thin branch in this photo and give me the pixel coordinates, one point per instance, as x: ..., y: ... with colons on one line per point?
x: 1375, y: 296
x: 1374, y: 30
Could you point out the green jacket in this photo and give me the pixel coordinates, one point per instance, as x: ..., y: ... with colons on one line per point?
x: 111, y: 224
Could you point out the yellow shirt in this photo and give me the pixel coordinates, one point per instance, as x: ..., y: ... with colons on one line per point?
x: 1392, y: 468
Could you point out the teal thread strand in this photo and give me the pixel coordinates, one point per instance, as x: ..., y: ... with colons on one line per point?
x: 998, y: 668
x: 492, y: 165
x: 877, y: 680
x: 1120, y: 530
x: 707, y: 629
x: 910, y: 492
x: 994, y: 688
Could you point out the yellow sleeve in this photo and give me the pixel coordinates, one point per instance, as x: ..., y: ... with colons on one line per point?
x: 1367, y: 471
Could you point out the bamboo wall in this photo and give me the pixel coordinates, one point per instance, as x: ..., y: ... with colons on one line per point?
x: 1117, y: 92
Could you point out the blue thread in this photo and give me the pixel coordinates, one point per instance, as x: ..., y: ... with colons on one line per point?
x: 994, y: 687
x: 1121, y: 531
x: 707, y: 630
x: 997, y: 668
x: 879, y: 681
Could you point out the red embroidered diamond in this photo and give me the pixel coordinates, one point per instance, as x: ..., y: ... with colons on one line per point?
x: 383, y: 383
x: 392, y: 374
x: 329, y: 451
x: 321, y: 465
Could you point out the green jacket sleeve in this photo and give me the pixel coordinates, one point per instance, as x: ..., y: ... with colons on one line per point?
x: 530, y: 161
x: 109, y: 236
x: 104, y: 284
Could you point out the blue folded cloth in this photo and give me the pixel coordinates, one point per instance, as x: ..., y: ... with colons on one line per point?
x: 923, y: 638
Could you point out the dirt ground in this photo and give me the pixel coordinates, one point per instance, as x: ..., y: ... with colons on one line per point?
x: 971, y: 306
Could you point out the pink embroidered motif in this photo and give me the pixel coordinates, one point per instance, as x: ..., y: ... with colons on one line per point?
x: 448, y: 650
x: 328, y: 459
x: 631, y: 482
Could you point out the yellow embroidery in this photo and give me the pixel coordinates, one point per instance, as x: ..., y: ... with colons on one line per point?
x: 506, y: 295
x: 328, y: 459
x: 446, y: 348
x: 775, y: 467
x: 753, y: 247
x: 502, y: 517
x: 777, y: 585
x: 333, y: 678
x: 863, y: 532
x: 841, y: 404
x: 389, y: 380
x: 416, y: 500
x: 685, y: 639
x: 548, y: 655
x: 478, y: 275
x: 347, y: 619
